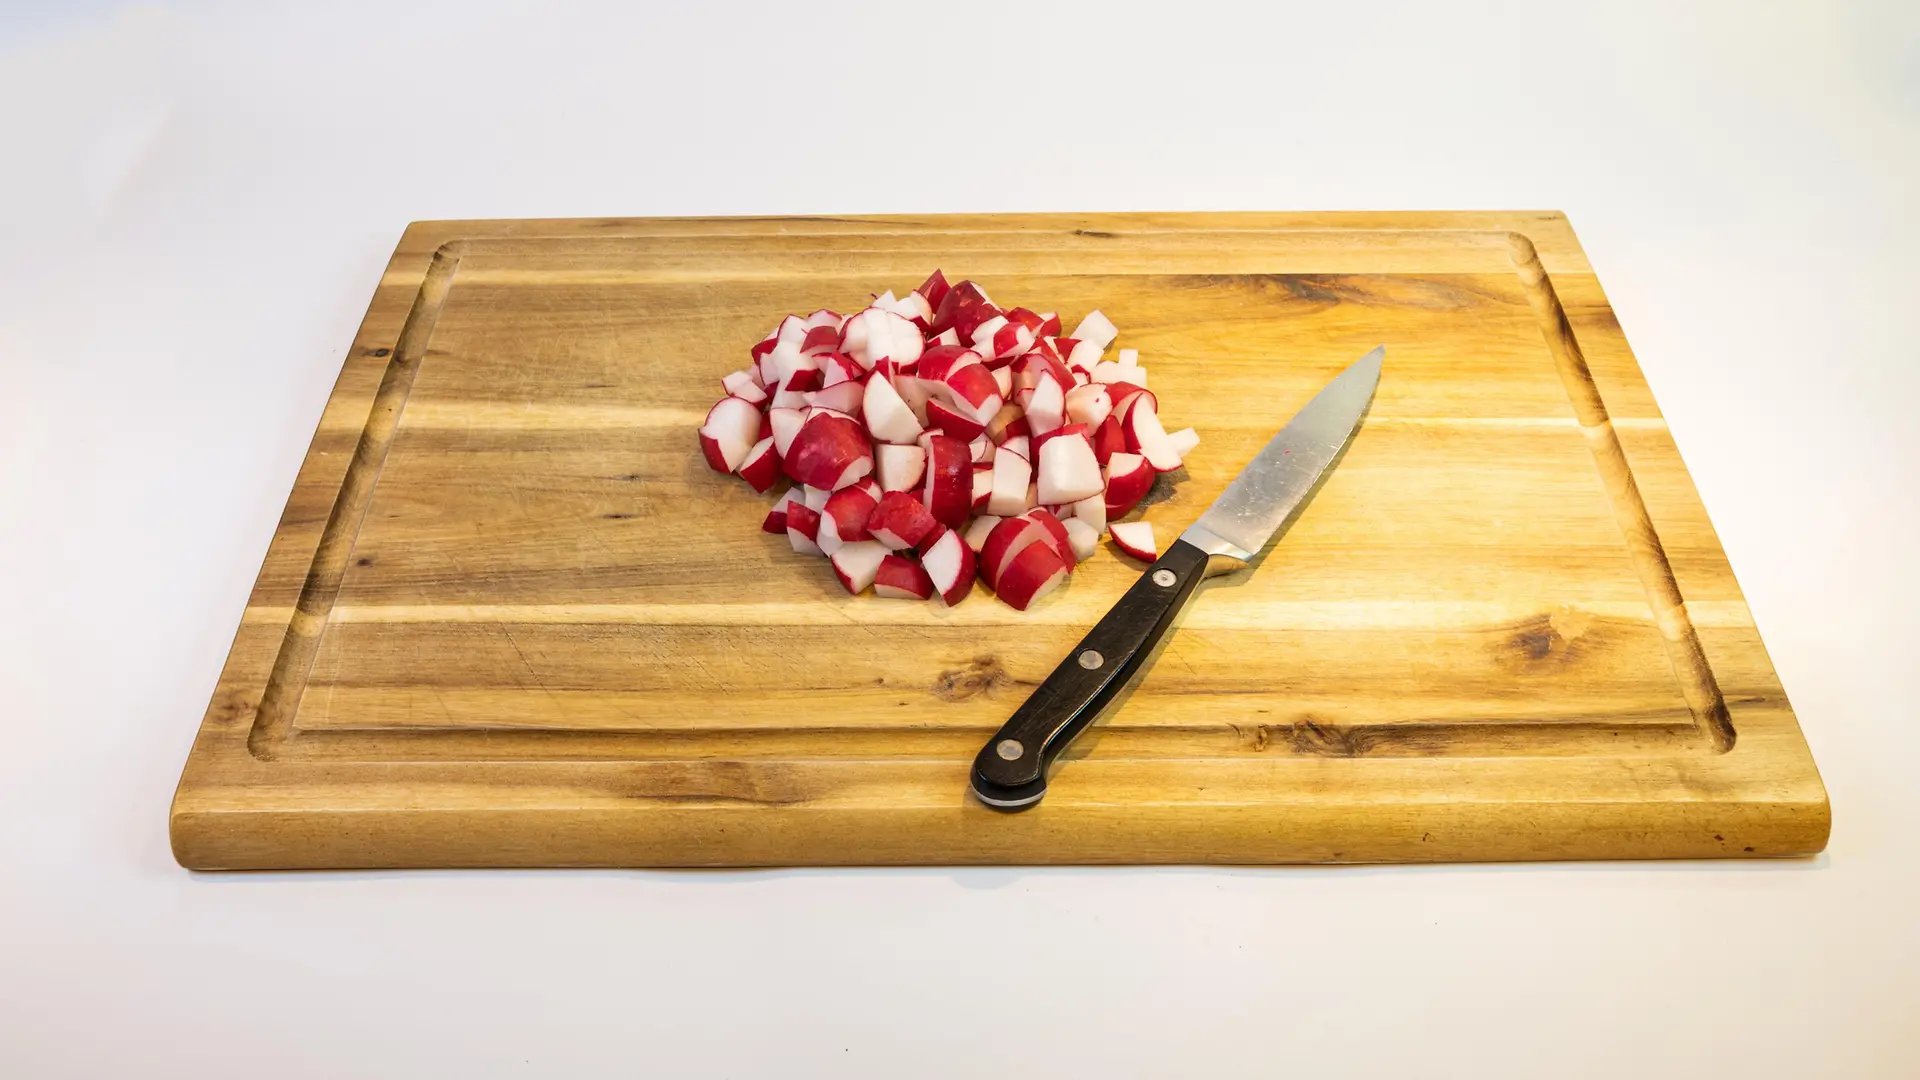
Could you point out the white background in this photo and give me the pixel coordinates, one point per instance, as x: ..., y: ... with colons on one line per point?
x: 197, y: 202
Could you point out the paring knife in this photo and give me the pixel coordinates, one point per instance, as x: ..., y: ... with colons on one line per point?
x: 1010, y: 772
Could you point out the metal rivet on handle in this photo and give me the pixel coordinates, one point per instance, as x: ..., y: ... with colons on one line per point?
x: 1164, y: 578
x: 1010, y: 749
x: 1091, y: 660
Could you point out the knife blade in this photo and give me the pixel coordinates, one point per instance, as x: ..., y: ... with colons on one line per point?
x: 1010, y: 772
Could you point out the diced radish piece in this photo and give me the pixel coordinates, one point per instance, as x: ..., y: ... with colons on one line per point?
x: 803, y: 524
x: 949, y: 336
x: 793, y: 328
x: 1129, y: 478
x: 872, y: 488
x: 982, y: 450
x: 1080, y: 378
x: 1039, y: 441
x: 1108, y: 440
x: 982, y: 487
x: 814, y: 499
x: 975, y: 393
x: 1085, y: 355
x: 1036, y: 571
x: 900, y: 521
x: 1031, y: 368
x: 762, y: 466
x: 782, y: 361
x: 912, y: 307
x: 1068, y: 470
x: 837, y: 368
x: 875, y: 334
x: 821, y: 340
x: 964, y: 307
x: 1003, y: 378
x: 786, y: 423
x: 948, y: 492
x: 1049, y: 324
x: 1147, y: 438
x: 1106, y: 371
x: 776, y: 521
x: 934, y: 288
x: 1056, y: 534
x: 953, y: 423
x: 1011, y: 472
x: 830, y: 452
x: 883, y: 300
x: 731, y: 429
x: 1130, y: 358
x: 949, y: 564
x: 901, y: 578
x: 1016, y: 445
x: 846, y: 397
x: 844, y: 519
x: 888, y: 417
x: 1096, y: 328
x: 1011, y: 341
x: 745, y: 386
x: 900, y: 468
x: 1183, y: 441
x: 1093, y: 511
x: 1025, y: 318
x: 1008, y: 538
x: 1085, y: 538
x: 983, y: 335
x: 1048, y: 409
x: 855, y: 564
x: 943, y: 360
x: 1135, y: 538
x: 912, y: 391
x: 823, y: 317
x: 1089, y: 405
x: 1126, y: 395
x: 977, y: 530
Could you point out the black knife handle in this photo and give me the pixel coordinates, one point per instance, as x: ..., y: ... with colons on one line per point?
x: 1010, y: 772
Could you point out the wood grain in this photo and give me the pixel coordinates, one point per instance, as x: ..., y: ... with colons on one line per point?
x: 510, y: 618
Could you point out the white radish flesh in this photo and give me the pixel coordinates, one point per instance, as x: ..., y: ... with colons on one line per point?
x: 1011, y: 474
x: 1135, y: 538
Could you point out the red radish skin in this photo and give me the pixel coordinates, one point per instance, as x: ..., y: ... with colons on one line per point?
x: 1108, y: 440
x: 830, y: 452
x: 1129, y: 478
x: 1036, y: 571
x: 900, y: 521
x: 1147, y: 438
x: 855, y: 564
x: 1136, y: 539
x: 950, y: 422
x: 949, y: 484
x: 975, y: 393
x: 942, y: 360
x: 844, y: 519
x: 821, y: 339
x: 1056, y: 534
x: 803, y: 524
x: 964, y: 307
x: 899, y: 578
x: 949, y: 564
x: 934, y: 289
x: 1006, y: 541
x: 729, y: 434
x: 899, y: 468
x: 762, y: 466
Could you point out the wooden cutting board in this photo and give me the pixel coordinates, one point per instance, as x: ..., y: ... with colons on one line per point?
x: 510, y: 618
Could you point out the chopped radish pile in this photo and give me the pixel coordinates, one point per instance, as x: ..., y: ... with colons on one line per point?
x: 936, y: 438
